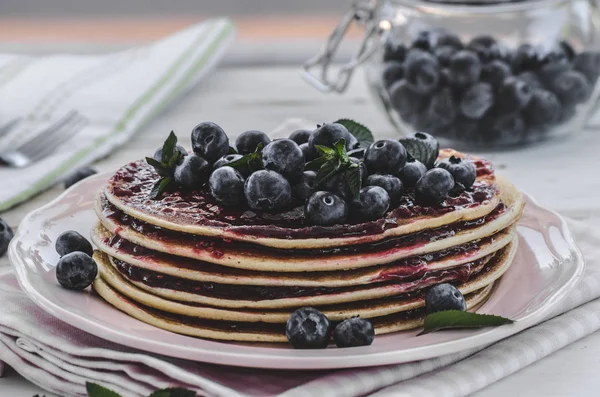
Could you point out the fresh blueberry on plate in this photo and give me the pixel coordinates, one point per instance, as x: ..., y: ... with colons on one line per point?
x: 193, y: 172
x: 248, y: 141
x: 353, y: 332
x: 71, y: 241
x: 444, y: 297
x: 158, y: 157
x: 325, y: 209
x: 413, y: 171
x: 357, y: 153
x: 210, y: 141
x: 227, y: 186
x: 328, y: 134
x: 372, y: 203
x: 385, y: 156
x: 230, y: 158
x: 434, y: 186
x: 390, y: 183
x: 6, y: 234
x: 422, y: 147
x: 285, y: 157
x: 76, y: 271
x: 308, y: 328
x: 308, y: 152
x: 267, y: 190
x: 300, y: 136
x: 79, y: 175
x: 463, y: 171
x: 305, y: 186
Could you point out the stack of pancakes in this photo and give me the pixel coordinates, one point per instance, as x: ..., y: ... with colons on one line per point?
x: 185, y: 264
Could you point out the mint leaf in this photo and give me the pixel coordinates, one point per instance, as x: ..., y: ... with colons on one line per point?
x: 360, y: 132
x: 315, y: 164
x: 420, y: 150
x: 169, y: 147
x: 354, y: 180
x: 453, y: 319
x: 327, y: 170
x: 94, y: 390
x: 232, y: 150
x: 252, y: 160
x: 340, y: 149
x: 173, y: 392
x: 156, y: 164
x: 160, y: 187
x: 325, y: 151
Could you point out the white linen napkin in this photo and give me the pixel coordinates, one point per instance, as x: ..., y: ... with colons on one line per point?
x: 118, y: 93
x: 60, y: 358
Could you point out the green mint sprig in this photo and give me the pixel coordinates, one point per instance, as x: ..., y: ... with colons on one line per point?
x: 166, y: 166
x: 94, y: 390
x: 251, y: 161
x: 360, y: 132
x: 456, y: 319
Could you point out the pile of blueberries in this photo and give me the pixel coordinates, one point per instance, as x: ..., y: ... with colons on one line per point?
x: 76, y: 270
x: 308, y: 328
x: 482, y: 93
x: 276, y: 179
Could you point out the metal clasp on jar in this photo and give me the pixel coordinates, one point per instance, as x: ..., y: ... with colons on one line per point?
x: 317, y: 70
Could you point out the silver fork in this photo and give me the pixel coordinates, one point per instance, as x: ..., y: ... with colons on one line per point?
x: 44, y: 142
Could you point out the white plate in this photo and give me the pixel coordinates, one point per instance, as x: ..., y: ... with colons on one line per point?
x: 547, y: 266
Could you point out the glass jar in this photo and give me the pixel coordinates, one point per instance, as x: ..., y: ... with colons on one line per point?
x: 475, y: 73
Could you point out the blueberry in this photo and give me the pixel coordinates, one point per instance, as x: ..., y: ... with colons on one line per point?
x: 267, y: 191
x: 193, y: 172
x: 308, y: 152
x: 422, y: 71
x: 158, y: 157
x: 486, y: 47
x: 392, y: 72
x: 76, y: 271
x: 532, y: 79
x: 463, y: 171
x: 248, y: 141
x: 300, y: 136
x: 567, y: 49
x: 413, y: 171
x: 514, y: 95
x: 325, y: 209
x: 210, y: 141
x: 338, y: 184
x: 443, y: 297
x: 423, y: 147
x: 571, y: 87
x: 588, y: 63
x: 394, y: 51
x: 386, y: 156
x: 227, y: 186
x: 79, y: 175
x: 444, y: 55
x: 495, y: 72
x: 357, y: 153
x: 392, y: 185
x: 230, y: 158
x: 308, y: 328
x: 442, y: 110
x: 553, y: 62
x: 71, y: 241
x: 465, y: 69
x: 544, y: 109
x: 305, y: 186
x: 363, y: 168
x: 506, y: 128
x: 447, y: 39
x: 328, y: 134
x: 526, y: 57
x: 353, y: 332
x: 285, y: 157
x: 6, y: 234
x: 477, y: 100
x: 372, y: 203
x: 423, y: 41
x: 406, y: 101
x: 434, y: 186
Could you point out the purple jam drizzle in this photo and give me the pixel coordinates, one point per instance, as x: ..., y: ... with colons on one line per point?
x: 133, y: 182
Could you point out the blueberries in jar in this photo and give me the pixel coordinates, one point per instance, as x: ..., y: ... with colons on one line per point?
x: 442, y: 110
x: 392, y: 72
x: 248, y: 141
x: 227, y: 186
x: 495, y: 72
x: 422, y: 71
x: 553, y: 62
x: 514, y: 95
x: 308, y: 328
x: 526, y: 57
x: 300, y: 136
x: 464, y: 69
x: 6, y: 235
x: 413, y: 171
x: 325, y: 209
x: 353, y: 332
x: 305, y: 186
x: 372, y: 203
x: 447, y: 39
x: 210, y: 141
x: 193, y: 172
x: 406, y: 101
x: 76, y: 271
x: 72, y: 241
x: 434, y: 187
x: 391, y: 184
x: 588, y: 63
x: 544, y: 109
x: 567, y: 49
x: 394, y: 51
x: 78, y: 175
x: 443, y: 297
x: 444, y: 54
x: 423, y: 41
x: 328, y: 134
x: 385, y: 156
x: 486, y: 47
x: 532, y: 79
x: 267, y: 190
x: 477, y: 100
x: 508, y: 128
x: 463, y: 171
x: 571, y: 87
x: 285, y: 157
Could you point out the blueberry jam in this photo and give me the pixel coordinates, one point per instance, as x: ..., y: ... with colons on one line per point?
x: 217, y: 247
x: 133, y: 182
x: 257, y: 293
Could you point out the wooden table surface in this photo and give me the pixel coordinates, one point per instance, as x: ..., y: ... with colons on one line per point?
x: 561, y: 175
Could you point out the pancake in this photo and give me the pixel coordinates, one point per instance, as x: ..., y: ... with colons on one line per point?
x: 227, y: 296
x: 197, y: 213
x: 254, y: 257
x: 252, y: 332
x: 189, y: 269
